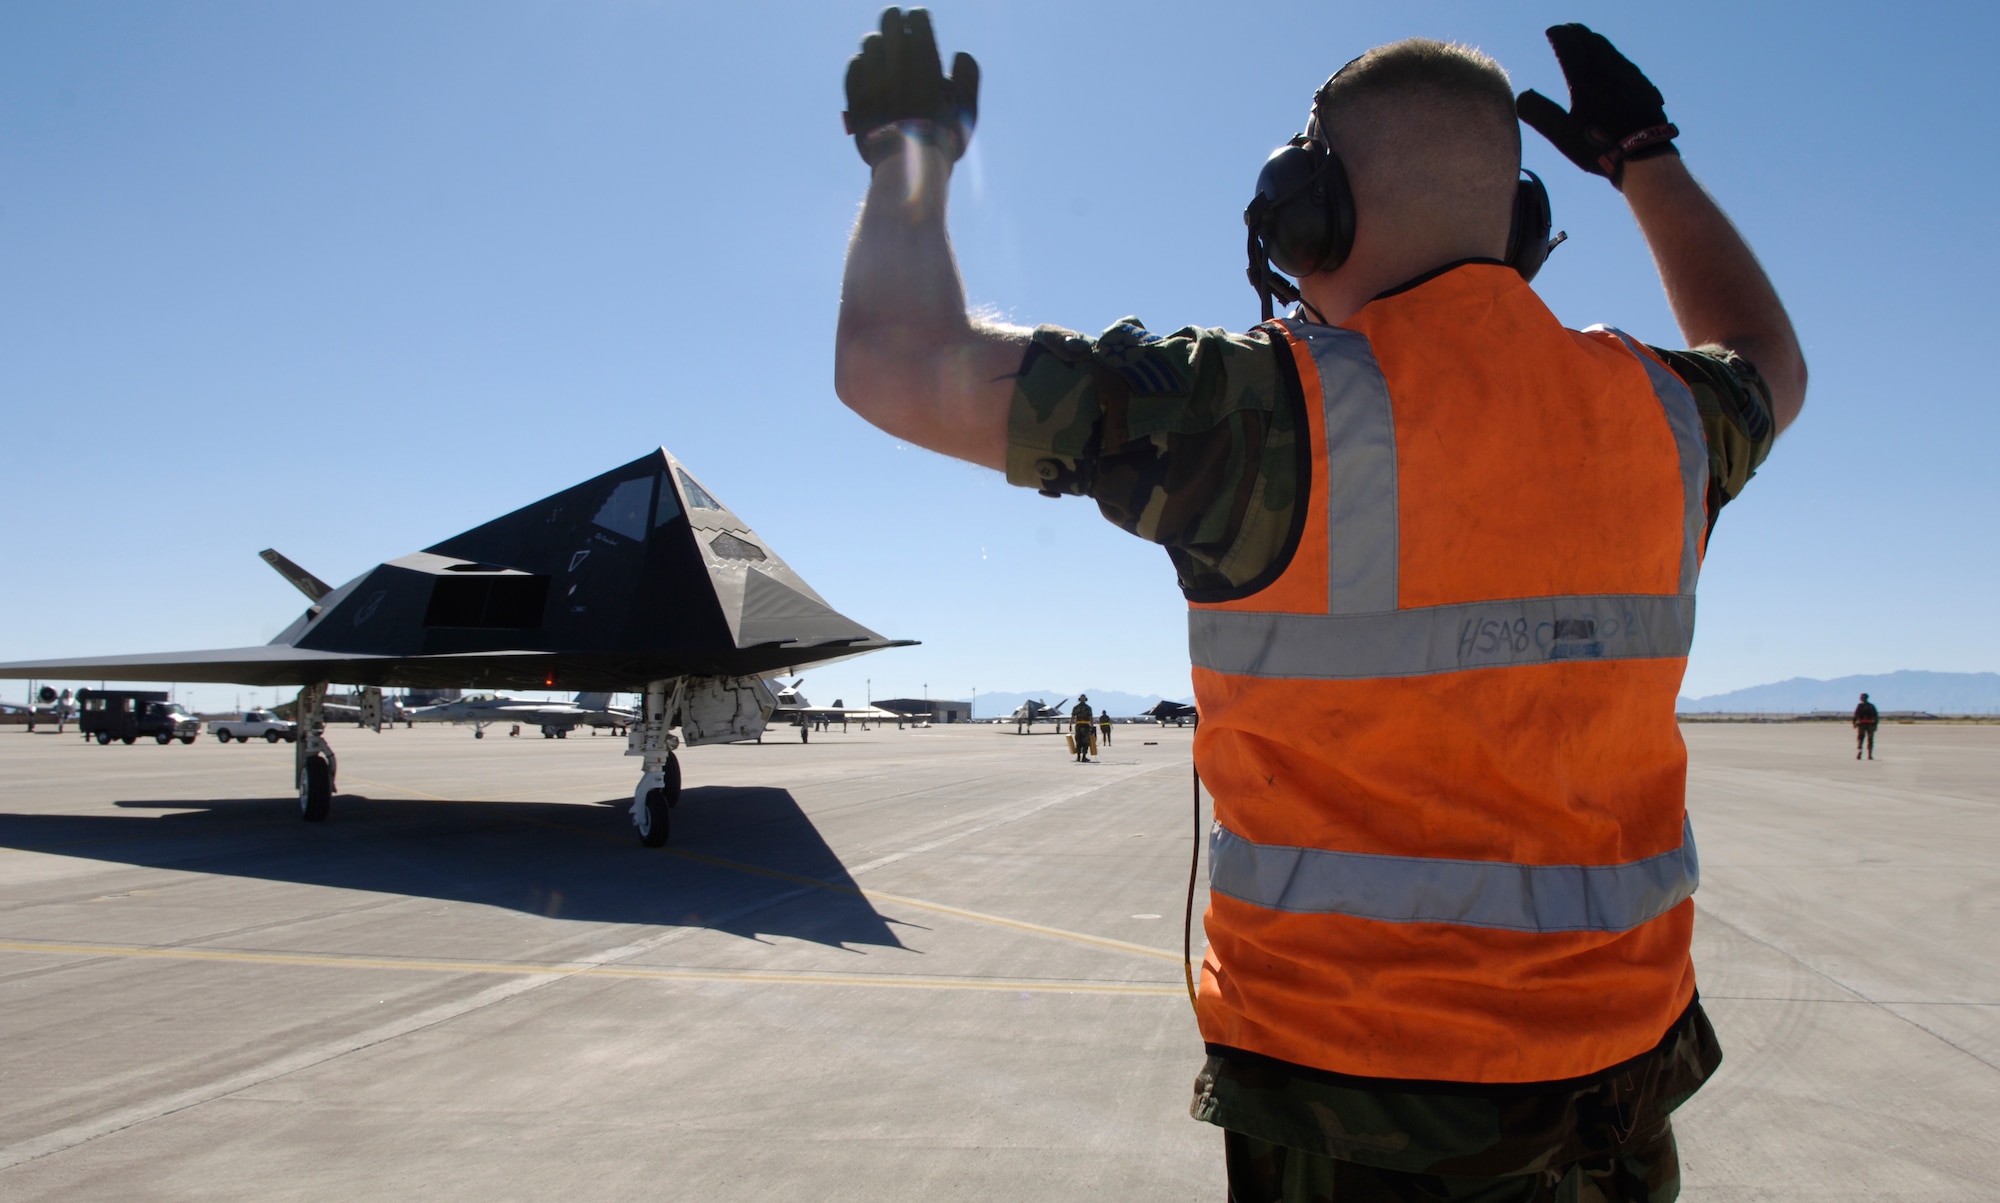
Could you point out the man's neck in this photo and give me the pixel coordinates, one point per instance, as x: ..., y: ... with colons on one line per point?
x: 1336, y: 296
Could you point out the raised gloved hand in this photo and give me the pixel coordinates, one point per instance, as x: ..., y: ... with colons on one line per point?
x: 1615, y: 113
x: 896, y: 89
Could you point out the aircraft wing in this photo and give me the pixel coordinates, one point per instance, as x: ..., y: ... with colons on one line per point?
x: 277, y: 664
x: 261, y: 665
x: 280, y: 664
x: 870, y: 713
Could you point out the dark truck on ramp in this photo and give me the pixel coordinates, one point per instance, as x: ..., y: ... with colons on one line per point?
x: 126, y: 714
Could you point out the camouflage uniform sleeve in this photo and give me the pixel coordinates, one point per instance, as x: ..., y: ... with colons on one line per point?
x: 1187, y: 440
x: 1735, y: 406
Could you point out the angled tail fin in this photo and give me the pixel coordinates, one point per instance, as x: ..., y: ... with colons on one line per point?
x: 593, y: 701
x: 305, y: 582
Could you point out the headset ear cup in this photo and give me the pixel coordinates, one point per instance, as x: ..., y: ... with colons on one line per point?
x: 1339, y: 213
x: 1528, y: 237
x: 1307, y: 222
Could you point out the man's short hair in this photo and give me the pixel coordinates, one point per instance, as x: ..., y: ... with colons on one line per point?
x: 1426, y: 128
x: 1428, y: 72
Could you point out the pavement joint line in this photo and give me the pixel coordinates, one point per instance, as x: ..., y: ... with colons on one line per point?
x: 1846, y: 1002
x: 1887, y: 1008
x: 572, y: 969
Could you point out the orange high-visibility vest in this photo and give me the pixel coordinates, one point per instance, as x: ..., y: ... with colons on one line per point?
x: 1450, y: 836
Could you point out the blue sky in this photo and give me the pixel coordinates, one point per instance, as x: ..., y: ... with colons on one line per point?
x: 345, y: 279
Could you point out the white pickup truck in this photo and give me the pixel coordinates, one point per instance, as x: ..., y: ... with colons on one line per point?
x: 253, y: 724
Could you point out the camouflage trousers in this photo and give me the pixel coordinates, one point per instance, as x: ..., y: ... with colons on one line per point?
x: 1260, y: 1172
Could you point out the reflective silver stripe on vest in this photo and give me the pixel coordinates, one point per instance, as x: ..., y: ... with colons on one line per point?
x: 1469, y: 893
x: 1440, y: 639
x: 1684, y: 419
x: 1363, y: 635
x: 1361, y: 516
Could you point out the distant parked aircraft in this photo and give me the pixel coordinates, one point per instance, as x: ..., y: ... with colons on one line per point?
x: 48, y: 705
x: 1029, y: 712
x: 555, y: 719
x: 792, y: 707
x: 1177, y: 713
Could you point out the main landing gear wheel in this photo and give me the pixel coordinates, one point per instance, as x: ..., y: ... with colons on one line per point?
x: 316, y: 791
x: 653, y: 821
x: 478, y: 733
x: 653, y: 818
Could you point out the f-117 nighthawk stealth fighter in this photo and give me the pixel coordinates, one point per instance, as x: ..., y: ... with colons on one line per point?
x: 1034, y: 710
x: 635, y: 581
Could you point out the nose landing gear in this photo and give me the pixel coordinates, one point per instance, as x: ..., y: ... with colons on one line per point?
x: 314, y: 764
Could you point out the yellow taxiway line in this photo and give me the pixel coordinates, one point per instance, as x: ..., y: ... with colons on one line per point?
x: 937, y: 907
x: 1021, y: 925
x: 558, y: 969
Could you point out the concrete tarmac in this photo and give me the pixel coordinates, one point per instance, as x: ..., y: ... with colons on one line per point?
x: 938, y: 964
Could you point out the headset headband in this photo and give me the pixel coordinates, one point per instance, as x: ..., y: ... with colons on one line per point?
x: 1302, y: 217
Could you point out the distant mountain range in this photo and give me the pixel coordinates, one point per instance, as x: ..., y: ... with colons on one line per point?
x: 1938, y: 693
x: 1118, y: 705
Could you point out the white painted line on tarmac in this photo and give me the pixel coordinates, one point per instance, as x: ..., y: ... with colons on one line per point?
x: 558, y: 969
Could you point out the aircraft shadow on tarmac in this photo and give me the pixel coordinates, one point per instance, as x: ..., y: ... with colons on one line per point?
x: 565, y: 861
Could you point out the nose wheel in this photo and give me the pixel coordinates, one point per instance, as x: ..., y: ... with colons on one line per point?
x: 649, y: 814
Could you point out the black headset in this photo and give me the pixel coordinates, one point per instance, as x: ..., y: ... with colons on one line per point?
x: 1302, y: 219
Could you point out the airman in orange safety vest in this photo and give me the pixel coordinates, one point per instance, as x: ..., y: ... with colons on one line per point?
x: 1440, y: 555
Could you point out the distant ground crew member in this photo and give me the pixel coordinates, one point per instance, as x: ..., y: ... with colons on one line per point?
x: 1104, y: 727
x: 1449, y: 952
x: 1865, y: 720
x: 1082, y: 731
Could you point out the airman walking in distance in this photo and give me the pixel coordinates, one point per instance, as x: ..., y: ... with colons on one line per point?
x: 1082, y: 730
x: 1104, y: 729
x: 1448, y: 954
x: 1866, y: 719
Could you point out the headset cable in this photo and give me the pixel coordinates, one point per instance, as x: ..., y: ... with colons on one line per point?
x: 1187, y: 916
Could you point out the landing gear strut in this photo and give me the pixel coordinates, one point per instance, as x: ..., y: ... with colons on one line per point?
x: 653, y: 739
x: 314, y: 763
